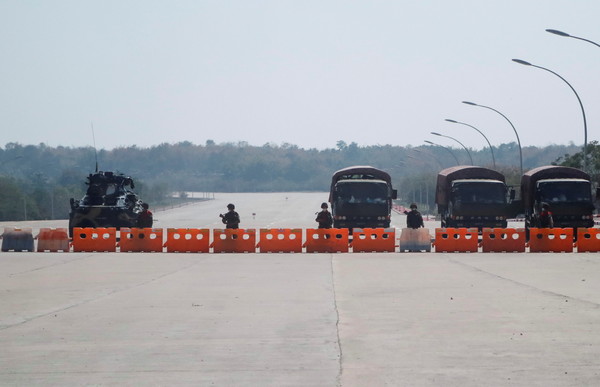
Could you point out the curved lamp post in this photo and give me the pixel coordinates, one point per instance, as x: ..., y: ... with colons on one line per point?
x: 511, y: 124
x: 560, y: 33
x: 452, y: 138
x: 480, y: 132
x: 446, y: 148
x: 430, y: 155
x: 578, y: 99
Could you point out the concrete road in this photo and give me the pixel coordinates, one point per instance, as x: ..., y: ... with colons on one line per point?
x: 398, y: 319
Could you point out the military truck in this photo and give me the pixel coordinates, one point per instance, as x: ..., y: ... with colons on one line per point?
x: 108, y: 202
x: 361, y: 197
x: 471, y: 196
x: 568, y: 192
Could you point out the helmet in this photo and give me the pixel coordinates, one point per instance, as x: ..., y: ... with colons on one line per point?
x: 230, y: 206
x: 324, y: 205
x: 145, y: 206
x: 413, y: 205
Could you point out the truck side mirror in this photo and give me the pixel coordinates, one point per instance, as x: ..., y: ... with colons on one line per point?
x: 512, y: 194
x: 394, y: 194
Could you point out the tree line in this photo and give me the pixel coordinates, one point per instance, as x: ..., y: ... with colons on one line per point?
x: 37, y: 181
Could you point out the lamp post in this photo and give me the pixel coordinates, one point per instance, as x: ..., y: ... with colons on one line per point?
x: 446, y: 148
x: 452, y: 138
x: 480, y: 132
x: 511, y: 124
x: 560, y: 33
x: 525, y: 63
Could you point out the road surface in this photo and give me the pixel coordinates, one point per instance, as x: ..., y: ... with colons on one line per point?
x: 395, y: 319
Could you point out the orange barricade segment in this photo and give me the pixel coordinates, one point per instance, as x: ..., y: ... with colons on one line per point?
x: 326, y: 240
x: 234, y: 240
x: 550, y: 240
x: 146, y: 240
x: 460, y: 240
x: 53, y: 239
x: 503, y: 240
x: 187, y: 240
x: 415, y: 239
x: 588, y: 240
x: 94, y: 239
x: 378, y: 240
x: 282, y: 240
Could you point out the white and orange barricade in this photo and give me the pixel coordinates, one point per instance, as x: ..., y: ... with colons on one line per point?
x: 550, y: 240
x: 588, y: 240
x: 53, y: 239
x: 459, y: 240
x: 412, y: 239
x: 99, y: 239
x: 234, y: 240
x: 326, y: 240
x: 503, y: 240
x: 17, y: 239
x: 376, y: 240
x: 280, y: 240
x: 141, y: 240
x: 187, y: 240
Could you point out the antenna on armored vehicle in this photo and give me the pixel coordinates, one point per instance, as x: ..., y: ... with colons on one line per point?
x: 95, y: 150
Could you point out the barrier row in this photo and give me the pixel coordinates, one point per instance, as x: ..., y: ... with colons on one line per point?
x: 186, y: 240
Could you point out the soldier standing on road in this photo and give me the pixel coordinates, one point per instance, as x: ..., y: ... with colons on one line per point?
x: 413, y: 217
x: 145, y: 218
x: 231, y: 218
x: 546, y: 220
x: 324, y: 217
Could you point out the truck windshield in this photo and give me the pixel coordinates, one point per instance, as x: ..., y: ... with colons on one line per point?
x: 565, y: 192
x: 362, y: 193
x: 479, y: 192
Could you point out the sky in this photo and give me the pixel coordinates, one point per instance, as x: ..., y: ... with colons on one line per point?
x: 306, y: 72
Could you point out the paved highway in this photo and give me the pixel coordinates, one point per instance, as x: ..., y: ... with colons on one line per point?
x: 296, y: 319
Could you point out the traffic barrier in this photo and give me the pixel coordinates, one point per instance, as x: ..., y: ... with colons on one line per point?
x: 415, y: 239
x: 326, y: 240
x: 460, y: 240
x: 17, y: 239
x: 234, y: 240
x: 376, y: 240
x: 146, y: 240
x: 282, y: 240
x: 503, y: 240
x: 53, y: 239
x: 588, y: 240
x: 94, y: 239
x: 187, y: 240
x: 550, y: 240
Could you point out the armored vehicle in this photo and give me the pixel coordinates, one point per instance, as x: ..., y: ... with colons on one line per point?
x: 108, y: 202
x: 361, y: 196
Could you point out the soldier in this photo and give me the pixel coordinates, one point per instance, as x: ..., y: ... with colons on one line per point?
x: 231, y: 218
x: 145, y: 218
x: 324, y: 217
x: 413, y: 217
x: 546, y: 220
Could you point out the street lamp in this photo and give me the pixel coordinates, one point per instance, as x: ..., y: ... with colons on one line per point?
x: 446, y: 148
x: 480, y: 132
x: 560, y: 33
x: 429, y: 155
x: 578, y: 99
x: 452, y: 138
x: 511, y: 124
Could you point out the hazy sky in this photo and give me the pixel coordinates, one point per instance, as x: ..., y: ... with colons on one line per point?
x: 304, y: 72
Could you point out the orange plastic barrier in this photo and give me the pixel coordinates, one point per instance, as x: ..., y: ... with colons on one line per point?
x: 187, y: 240
x: 588, y: 240
x: 234, y: 240
x: 415, y: 239
x: 461, y: 240
x: 94, y: 239
x: 53, y: 239
x: 326, y: 240
x: 282, y: 240
x: 550, y: 240
x: 145, y: 240
x: 503, y: 240
x: 379, y: 240
x: 17, y: 239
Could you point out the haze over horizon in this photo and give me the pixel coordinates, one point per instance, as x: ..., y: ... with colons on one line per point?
x: 305, y: 73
